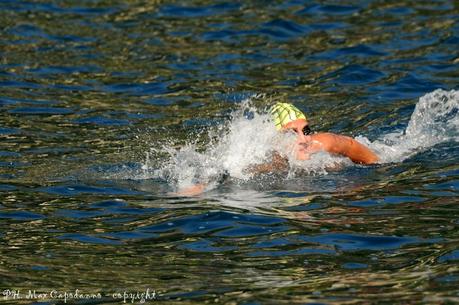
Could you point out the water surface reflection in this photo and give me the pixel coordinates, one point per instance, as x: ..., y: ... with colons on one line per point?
x: 88, y: 89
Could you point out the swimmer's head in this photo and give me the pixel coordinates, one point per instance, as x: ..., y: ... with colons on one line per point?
x: 284, y: 114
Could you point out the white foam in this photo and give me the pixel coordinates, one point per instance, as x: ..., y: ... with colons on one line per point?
x: 434, y: 120
x: 250, y: 137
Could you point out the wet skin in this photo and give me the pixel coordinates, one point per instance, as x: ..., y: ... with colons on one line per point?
x: 306, y: 145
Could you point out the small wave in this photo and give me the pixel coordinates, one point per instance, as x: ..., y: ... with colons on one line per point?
x: 434, y: 120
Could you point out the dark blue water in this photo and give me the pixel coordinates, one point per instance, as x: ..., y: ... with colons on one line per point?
x: 88, y: 88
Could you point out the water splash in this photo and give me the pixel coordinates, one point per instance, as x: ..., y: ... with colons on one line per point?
x: 434, y: 120
x: 249, y: 138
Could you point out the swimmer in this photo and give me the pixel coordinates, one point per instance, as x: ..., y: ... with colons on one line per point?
x: 286, y: 118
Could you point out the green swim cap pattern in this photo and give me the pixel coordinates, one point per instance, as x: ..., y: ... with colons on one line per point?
x: 284, y: 113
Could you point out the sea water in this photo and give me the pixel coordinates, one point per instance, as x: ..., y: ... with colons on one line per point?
x: 108, y: 109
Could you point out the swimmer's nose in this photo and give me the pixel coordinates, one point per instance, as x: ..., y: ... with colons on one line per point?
x: 300, y: 136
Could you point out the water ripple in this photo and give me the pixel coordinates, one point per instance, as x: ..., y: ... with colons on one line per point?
x: 97, y: 97
x: 353, y: 242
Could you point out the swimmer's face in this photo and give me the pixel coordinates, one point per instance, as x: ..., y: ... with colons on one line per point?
x: 300, y: 127
x: 302, y: 130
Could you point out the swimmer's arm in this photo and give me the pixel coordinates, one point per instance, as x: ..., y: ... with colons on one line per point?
x: 277, y: 164
x: 194, y: 190
x: 199, y: 188
x: 346, y: 146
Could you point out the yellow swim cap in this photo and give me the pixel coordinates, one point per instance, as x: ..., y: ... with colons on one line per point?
x: 284, y: 113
